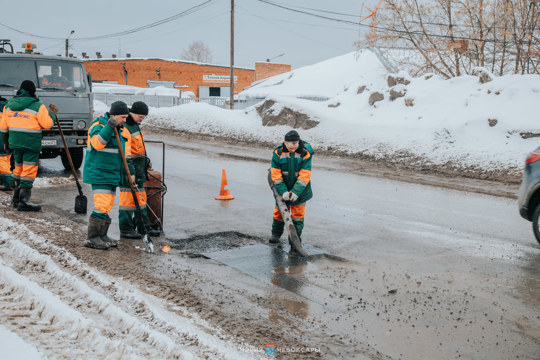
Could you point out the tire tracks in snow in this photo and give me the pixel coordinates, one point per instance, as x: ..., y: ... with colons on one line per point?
x: 73, y: 311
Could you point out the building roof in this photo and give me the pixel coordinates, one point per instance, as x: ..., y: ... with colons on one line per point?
x: 168, y: 60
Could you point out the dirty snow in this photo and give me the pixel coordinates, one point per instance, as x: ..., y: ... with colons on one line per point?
x: 90, y: 313
x: 44, y: 182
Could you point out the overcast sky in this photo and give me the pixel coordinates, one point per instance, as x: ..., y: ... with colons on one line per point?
x: 262, y: 31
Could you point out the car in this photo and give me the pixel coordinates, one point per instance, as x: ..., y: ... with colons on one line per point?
x: 529, y: 192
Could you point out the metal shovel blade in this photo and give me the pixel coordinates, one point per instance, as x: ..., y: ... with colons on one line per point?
x: 81, y: 204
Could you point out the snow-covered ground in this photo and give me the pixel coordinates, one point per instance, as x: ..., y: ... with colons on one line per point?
x: 46, y: 289
x: 460, y: 120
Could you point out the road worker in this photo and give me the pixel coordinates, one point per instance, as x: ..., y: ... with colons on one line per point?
x: 104, y: 170
x: 21, y: 125
x: 291, y: 173
x: 127, y: 216
x: 5, y: 158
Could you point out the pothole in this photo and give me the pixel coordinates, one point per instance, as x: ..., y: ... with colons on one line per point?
x: 220, y: 241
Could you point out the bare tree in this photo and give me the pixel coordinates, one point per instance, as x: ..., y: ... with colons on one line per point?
x: 197, y: 51
x: 452, y: 37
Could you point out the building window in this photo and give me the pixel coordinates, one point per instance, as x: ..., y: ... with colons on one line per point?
x: 215, y: 91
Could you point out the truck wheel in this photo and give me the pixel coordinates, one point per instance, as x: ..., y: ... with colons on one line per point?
x: 76, y: 157
x: 535, y: 220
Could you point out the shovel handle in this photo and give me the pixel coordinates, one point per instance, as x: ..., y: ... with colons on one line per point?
x: 282, y: 207
x: 147, y: 238
x: 68, y: 155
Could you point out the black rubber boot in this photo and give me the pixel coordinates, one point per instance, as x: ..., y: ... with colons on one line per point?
x: 103, y: 235
x: 24, y: 201
x: 132, y: 234
x: 154, y: 233
x: 15, y: 199
x: 95, y: 227
x: 278, y: 226
x: 6, y: 183
x: 275, y: 239
x: 151, y: 232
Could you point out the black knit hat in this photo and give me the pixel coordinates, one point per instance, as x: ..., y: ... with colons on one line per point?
x: 29, y: 87
x: 139, y: 108
x: 292, y: 136
x: 119, y: 108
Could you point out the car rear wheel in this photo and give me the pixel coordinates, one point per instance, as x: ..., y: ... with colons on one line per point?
x: 535, y: 222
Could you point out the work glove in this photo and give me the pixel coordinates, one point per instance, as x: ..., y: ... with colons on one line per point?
x: 7, y: 149
x: 133, y: 179
x: 53, y: 108
x: 286, y: 196
x: 112, y: 123
x: 292, y: 196
x: 150, y: 166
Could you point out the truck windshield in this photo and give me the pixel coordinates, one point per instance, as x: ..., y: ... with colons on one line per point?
x: 48, y: 75
x: 13, y: 72
x: 60, y: 75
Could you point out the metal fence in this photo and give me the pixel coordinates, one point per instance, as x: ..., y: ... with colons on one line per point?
x: 150, y: 100
x: 168, y: 101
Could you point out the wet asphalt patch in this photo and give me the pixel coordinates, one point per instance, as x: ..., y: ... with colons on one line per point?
x: 253, y: 255
x: 197, y: 245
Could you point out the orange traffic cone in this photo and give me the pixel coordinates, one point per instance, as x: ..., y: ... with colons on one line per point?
x: 224, y: 194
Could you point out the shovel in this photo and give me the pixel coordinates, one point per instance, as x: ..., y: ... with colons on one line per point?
x: 146, y: 237
x: 81, y: 202
x: 286, y: 215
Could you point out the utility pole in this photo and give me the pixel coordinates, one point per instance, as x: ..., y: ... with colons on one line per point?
x: 231, y: 101
x: 67, y: 42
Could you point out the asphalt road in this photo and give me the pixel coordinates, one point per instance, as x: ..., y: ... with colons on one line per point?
x: 412, y: 271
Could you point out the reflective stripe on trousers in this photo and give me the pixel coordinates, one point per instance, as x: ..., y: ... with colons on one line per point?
x: 126, y: 199
x: 297, y: 212
x: 104, y: 196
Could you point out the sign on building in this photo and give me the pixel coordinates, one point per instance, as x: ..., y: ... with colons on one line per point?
x: 218, y: 78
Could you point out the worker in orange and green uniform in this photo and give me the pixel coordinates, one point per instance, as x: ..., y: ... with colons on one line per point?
x: 127, y: 217
x: 104, y: 170
x: 21, y: 125
x: 5, y: 158
x: 291, y: 173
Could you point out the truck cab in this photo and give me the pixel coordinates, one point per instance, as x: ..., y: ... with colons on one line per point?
x: 61, y: 81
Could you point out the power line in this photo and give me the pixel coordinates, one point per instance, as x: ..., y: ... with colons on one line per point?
x: 154, y: 24
x: 139, y: 40
x: 268, y: 20
x: 318, y: 10
x: 247, y: 12
x: 417, y: 33
x: 126, y: 32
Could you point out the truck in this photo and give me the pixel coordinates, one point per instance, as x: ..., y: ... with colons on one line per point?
x: 73, y: 96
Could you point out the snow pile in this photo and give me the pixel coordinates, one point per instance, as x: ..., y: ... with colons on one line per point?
x: 461, y: 121
x: 324, y: 79
x: 44, y: 182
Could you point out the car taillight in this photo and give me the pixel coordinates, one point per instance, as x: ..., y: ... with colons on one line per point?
x: 532, y: 158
